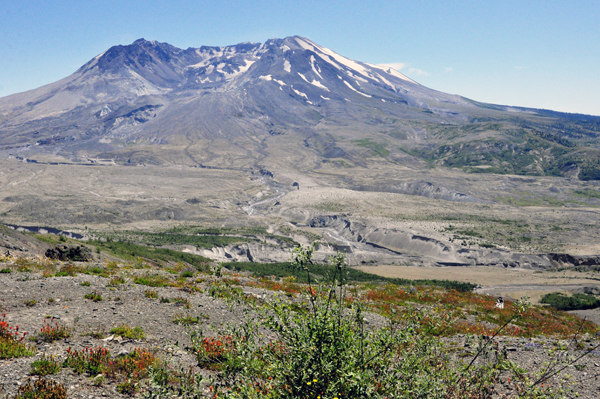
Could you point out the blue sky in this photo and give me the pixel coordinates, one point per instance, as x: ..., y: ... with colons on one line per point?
x: 540, y: 54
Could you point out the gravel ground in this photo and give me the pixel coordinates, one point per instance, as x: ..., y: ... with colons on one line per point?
x: 125, y: 304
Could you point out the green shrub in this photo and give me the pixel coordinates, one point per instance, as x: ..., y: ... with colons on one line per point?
x: 186, y: 320
x: 11, y: 341
x: 152, y: 281
x: 116, y: 281
x: 6, y: 270
x: 94, y: 296
x: 45, y: 365
x: 187, y: 274
x: 150, y: 294
x: 68, y: 270
x: 127, y: 332
x: 51, y: 333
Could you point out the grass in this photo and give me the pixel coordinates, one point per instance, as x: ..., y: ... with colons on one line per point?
x: 318, y: 271
x: 150, y: 294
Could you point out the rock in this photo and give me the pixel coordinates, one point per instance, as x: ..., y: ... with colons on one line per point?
x: 70, y: 252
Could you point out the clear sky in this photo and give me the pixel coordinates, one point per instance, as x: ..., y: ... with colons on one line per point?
x: 540, y: 54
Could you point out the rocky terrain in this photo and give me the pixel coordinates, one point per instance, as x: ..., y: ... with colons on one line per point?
x: 35, y: 298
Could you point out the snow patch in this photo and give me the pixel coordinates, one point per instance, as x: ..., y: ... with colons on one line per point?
x: 352, y: 88
x: 285, y: 48
x: 314, y: 82
x: 312, y: 64
x: 267, y: 78
x: 300, y: 93
x: 393, y: 72
x: 333, y: 56
x: 325, y: 98
x: 382, y: 100
x: 303, y: 77
x: 287, y: 66
x: 357, y: 77
x: 281, y: 83
x: 319, y: 85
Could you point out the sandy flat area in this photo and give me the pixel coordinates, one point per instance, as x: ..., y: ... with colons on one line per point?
x: 512, y: 283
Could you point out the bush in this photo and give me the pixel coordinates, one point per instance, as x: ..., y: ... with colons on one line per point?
x: 576, y: 302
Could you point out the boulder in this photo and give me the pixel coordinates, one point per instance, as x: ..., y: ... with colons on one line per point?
x: 70, y: 252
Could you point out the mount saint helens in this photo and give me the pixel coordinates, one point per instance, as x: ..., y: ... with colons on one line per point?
x: 253, y: 105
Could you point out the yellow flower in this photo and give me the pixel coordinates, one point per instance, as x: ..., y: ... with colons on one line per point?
x: 308, y: 383
x: 314, y: 380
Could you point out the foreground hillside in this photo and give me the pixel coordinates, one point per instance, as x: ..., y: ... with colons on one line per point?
x: 154, y: 326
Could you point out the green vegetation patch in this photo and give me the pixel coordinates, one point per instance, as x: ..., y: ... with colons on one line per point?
x: 377, y: 148
x: 128, y: 250
x: 594, y: 194
x: 576, y: 302
x: 288, y: 269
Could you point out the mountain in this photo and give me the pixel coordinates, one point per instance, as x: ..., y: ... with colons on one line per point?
x: 287, y: 103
